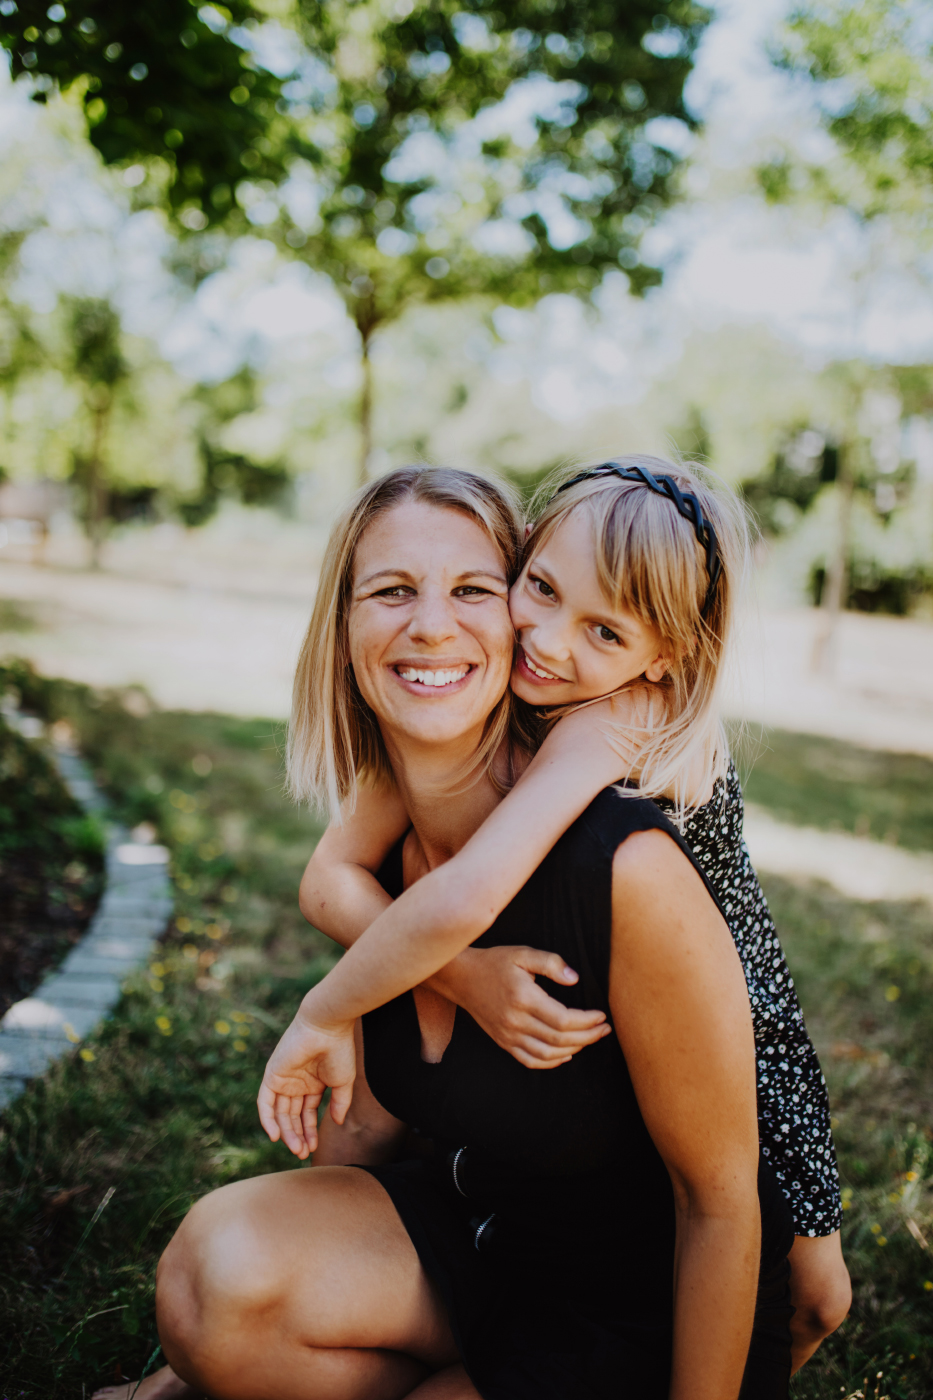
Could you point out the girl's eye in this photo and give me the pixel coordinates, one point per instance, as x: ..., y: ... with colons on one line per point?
x: 542, y: 587
x: 605, y: 634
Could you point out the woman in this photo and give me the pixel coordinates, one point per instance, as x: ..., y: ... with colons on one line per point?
x: 625, y: 1235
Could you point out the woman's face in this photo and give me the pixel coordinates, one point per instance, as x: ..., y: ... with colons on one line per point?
x: 573, y: 644
x: 431, y: 641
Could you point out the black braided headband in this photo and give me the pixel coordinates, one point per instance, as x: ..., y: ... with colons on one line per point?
x: 686, y: 503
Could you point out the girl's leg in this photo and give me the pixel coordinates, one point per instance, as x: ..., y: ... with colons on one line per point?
x: 300, y: 1286
x: 820, y: 1291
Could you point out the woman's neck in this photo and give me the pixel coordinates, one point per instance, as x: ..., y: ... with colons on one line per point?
x: 445, y: 801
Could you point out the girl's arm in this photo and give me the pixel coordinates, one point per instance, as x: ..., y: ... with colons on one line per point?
x: 341, y: 896
x: 436, y: 919
x: 680, y: 1008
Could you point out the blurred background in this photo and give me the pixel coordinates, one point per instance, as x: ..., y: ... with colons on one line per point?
x: 254, y: 254
x: 251, y: 256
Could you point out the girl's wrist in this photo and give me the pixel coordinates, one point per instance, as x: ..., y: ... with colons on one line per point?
x: 314, y: 1013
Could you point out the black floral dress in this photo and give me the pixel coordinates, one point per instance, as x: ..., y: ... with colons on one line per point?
x: 793, y: 1105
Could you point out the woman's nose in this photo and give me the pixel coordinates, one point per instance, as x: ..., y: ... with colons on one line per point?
x: 433, y: 620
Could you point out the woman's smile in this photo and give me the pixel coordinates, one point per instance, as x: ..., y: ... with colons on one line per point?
x: 435, y: 678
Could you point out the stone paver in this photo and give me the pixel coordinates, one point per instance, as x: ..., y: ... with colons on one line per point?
x: 73, y: 999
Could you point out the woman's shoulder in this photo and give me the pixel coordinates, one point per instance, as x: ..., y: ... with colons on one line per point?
x: 617, y: 813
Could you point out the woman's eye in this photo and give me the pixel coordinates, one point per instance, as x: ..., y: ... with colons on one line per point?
x: 470, y: 590
x: 605, y: 634
x: 399, y: 591
x: 542, y: 587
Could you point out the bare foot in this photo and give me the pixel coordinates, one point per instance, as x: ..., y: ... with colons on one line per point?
x: 162, y: 1385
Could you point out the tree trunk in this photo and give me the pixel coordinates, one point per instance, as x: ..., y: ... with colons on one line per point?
x: 96, y: 487
x: 366, y: 408
x: 835, y: 588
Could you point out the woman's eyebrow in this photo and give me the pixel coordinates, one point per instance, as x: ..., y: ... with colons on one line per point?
x: 410, y: 578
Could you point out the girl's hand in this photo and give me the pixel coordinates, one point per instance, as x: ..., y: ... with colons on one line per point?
x: 497, y: 987
x: 306, y: 1061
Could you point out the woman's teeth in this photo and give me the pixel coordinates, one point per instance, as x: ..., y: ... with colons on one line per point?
x: 537, y: 670
x: 435, y: 678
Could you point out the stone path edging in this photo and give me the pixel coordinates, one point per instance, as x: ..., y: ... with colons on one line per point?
x: 75, y: 997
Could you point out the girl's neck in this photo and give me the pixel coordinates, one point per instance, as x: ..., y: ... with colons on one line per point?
x: 446, y: 803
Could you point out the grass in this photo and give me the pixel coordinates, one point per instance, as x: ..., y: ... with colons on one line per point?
x: 826, y: 783
x: 100, y: 1160
x: 865, y: 977
x: 161, y: 1108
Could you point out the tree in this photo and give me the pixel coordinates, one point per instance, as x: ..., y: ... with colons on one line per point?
x: 405, y: 200
x: 97, y: 360
x: 872, y: 66
x: 166, y: 82
x: 497, y: 214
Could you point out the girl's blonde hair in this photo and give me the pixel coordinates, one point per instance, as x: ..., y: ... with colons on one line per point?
x: 649, y: 560
x: 334, y: 739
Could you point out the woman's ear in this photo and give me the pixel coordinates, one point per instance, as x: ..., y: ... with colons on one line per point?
x: 528, y: 529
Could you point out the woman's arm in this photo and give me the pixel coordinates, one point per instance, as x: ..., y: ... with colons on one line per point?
x: 680, y: 1008
x: 339, y: 893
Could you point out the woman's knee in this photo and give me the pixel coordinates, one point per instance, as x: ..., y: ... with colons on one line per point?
x: 217, y: 1271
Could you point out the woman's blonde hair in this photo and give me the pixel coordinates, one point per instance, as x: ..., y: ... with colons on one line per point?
x: 650, y: 560
x: 334, y: 739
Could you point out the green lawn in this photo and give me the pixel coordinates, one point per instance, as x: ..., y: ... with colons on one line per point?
x: 822, y: 782
x: 165, y: 1109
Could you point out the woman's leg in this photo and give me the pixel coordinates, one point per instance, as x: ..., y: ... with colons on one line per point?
x: 300, y: 1286
x: 161, y: 1385
x: 820, y: 1291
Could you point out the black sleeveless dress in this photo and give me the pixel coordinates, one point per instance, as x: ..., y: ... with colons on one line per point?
x: 542, y: 1209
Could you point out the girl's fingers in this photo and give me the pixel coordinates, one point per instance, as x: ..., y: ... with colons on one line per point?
x: 265, y: 1103
x: 541, y: 1007
x: 309, y: 1124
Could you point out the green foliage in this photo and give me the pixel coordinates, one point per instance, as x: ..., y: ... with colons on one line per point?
x: 873, y: 589
x: 94, y: 332
x: 386, y: 237
x: 794, y: 483
x: 51, y: 863
x: 157, y: 80
x: 873, y: 62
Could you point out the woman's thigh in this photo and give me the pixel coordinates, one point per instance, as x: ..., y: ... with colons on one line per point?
x: 300, y: 1264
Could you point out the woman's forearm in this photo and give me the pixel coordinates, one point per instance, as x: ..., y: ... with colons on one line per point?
x: 715, y: 1284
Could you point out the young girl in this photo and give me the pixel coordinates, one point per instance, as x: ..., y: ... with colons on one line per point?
x: 622, y: 630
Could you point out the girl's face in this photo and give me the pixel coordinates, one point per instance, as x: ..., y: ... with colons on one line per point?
x: 431, y: 642
x: 573, y: 644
